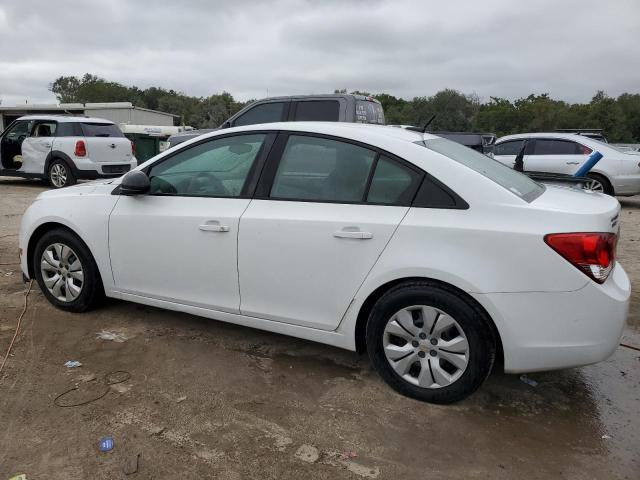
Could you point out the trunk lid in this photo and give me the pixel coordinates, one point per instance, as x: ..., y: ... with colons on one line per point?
x: 106, y: 143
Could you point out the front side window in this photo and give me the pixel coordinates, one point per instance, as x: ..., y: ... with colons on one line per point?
x: 556, y: 147
x: 19, y: 130
x: 511, y: 147
x: 263, y: 113
x: 217, y: 168
x: 44, y: 129
x: 322, y: 169
x: 516, y: 182
x: 318, y: 110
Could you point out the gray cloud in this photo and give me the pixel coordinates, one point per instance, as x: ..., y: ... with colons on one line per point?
x: 568, y: 48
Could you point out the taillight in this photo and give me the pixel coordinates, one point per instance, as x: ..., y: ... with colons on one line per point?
x: 133, y: 148
x: 591, y: 253
x: 81, y: 149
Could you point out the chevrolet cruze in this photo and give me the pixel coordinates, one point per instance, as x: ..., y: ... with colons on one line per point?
x: 435, y: 259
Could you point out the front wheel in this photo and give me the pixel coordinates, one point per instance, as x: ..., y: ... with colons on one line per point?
x: 66, y: 271
x: 60, y: 175
x: 429, y: 343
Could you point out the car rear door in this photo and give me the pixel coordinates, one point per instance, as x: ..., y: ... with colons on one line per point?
x: 179, y: 242
x: 106, y: 143
x: 324, y: 211
x: 556, y: 155
x: 37, y: 146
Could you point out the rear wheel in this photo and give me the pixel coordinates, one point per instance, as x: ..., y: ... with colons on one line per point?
x: 60, y: 175
x: 66, y: 271
x: 598, y: 183
x: 429, y: 343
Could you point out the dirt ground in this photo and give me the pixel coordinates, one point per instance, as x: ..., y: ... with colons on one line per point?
x: 211, y: 400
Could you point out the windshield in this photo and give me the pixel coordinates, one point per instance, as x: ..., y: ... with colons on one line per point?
x: 515, y: 182
x: 369, y: 112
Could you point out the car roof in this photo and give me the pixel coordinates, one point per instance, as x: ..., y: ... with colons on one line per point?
x: 319, y: 95
x: 357, y: 131
x: 559, y: 135
x: 65, y: 118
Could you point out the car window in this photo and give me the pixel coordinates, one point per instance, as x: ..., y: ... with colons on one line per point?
x: 19, y: 129
x: 101, y: 130
x: 263, y: 113
x: 392, y: 183
x: 217, y: 168
x: 44, y: 129
x: 556, y: 147
x: 318, y: 110
x: 516, y: 182
x: 369, y: 112
x: 69, y: 129
x: 511, y: 147
x: 321, y: 169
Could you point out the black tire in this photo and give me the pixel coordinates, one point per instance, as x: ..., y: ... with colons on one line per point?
x: 606, y: 185
x: 91, y: 291
x: 54, y: 176
x: 470, y: 317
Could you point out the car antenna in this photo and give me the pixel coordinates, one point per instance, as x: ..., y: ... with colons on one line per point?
x: 426, y: 125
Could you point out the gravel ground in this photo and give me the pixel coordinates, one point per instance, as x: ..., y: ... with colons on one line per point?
x: 211, y: 400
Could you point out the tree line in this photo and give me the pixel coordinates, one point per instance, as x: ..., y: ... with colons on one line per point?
x: 454, y: 111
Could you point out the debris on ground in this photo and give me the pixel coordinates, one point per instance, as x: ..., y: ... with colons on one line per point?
x: 307, y: 453
x: 606, y: 437
x: 131, y: 464
x: 157, y: 430
x: 105, y: 444
x: 72, y: 364
x: 22, y: 476
x: 112, y: 336
x: 529, y: 381
x: 181, y: 399
x: 349, y: 454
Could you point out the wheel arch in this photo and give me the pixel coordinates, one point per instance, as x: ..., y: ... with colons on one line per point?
x: 372, y: 298
x: 58, y: 155
x: 38, y: 233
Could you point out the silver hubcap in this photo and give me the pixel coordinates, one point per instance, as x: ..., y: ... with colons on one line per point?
x: 62, y: 272
x: 426, y: 346
x: 58, y: 175
x: 594, y: 185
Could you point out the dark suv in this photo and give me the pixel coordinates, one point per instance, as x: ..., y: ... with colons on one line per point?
x: 302, y: 108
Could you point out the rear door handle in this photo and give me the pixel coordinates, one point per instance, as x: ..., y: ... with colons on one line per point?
x: 353, y: 234
x: 213, y: 227
x: 573, y: 163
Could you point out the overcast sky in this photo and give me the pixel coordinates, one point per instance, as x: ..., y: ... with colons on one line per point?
x: 252, y: 48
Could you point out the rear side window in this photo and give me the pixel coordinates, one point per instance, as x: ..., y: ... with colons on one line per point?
x: 515, y: 182
x: 101, y: 130
x: 512, y: 147
x: 369, y: 112
x: 318, y: 110
x: 263, y: 113
x: 44, y: 129
x: 69, y: 129
x: 392, y: 183
x: 556, y: 147
x: 321, y: 169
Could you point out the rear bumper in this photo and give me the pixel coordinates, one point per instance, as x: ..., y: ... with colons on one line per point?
x: 549, y: 331
x: 88, y: 170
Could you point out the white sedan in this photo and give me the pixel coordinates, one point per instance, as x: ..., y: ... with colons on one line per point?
x: 617, y: 173
x: 434, y: 258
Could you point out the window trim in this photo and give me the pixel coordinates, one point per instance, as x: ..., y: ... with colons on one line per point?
x: 250, y: 183
x: 265, y: 184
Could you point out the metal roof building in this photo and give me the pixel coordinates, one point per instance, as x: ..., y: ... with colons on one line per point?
x: 117, y: 112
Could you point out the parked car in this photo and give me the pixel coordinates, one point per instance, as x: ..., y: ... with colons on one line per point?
x: 593, y: 133
x: 618, y: 173
x: 430, y: 256
x: 301, y: 108
x: 480, y: 142
x: 64, y: 149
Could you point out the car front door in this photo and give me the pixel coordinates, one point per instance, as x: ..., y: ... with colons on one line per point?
x: 37, y: 146
x: 11, y: 144
x: 179, y: 242
x: 556, y: 156
x: 324, y: 211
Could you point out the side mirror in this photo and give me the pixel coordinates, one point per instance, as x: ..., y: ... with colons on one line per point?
x: 135, y: 182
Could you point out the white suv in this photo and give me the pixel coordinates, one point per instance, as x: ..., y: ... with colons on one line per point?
x: 63, y: 149
x: 618, y: 173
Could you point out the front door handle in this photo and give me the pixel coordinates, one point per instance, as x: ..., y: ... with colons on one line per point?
x: 573, y: 163
x: 350, y: 233
x: 213, y: 227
